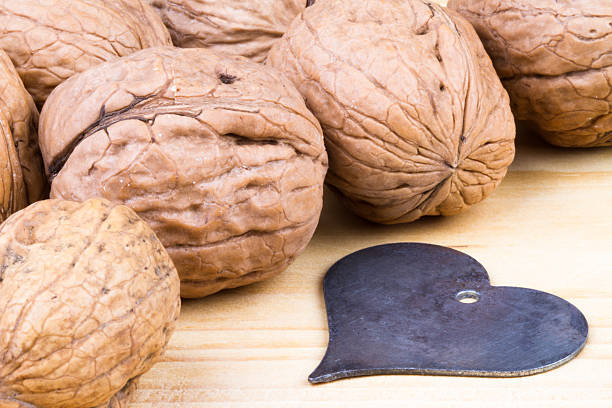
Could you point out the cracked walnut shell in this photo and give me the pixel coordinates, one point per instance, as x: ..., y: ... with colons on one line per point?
x: 238, y: 27
x: 22, y: 178
x: 416, y: 121
x: 555, y: 60
x: 50, y: 40
x: 88, y: 301
x: 217, y: 153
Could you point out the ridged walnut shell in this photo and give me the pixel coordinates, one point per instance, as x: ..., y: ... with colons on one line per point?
x: 238, y: 27
x: 217, y: 153
x: 50, y: 40
x: 416, y: 121
x: 22, y: 179
x: 88, y: 301
x: 555, y: 60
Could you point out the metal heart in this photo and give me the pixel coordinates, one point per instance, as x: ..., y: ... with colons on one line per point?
x: 398, y: 309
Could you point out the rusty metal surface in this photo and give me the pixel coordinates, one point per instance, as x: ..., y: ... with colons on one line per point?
x: 398, y: 309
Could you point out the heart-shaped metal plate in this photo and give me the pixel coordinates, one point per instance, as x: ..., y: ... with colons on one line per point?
x: 399, y: 309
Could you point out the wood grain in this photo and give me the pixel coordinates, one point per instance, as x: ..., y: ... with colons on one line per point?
x: 548, y: 227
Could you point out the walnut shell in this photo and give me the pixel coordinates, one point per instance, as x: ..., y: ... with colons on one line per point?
x: 217, y: 153
x: 88, y: 300
x: 22, y: 178
x: 50, y: 40
x: 555, y: 60
x: 416, y: 121
x: 239, y: 27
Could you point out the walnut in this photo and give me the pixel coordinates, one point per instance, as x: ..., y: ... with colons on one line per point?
x: 217, y: 153
x: 88, y: 301
x: 50, y: 40
x: 239, y: 27
x: 415, y: 120
x: 555, y: 60
x: 22, y: 178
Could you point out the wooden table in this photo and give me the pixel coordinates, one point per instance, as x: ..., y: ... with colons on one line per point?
x: 548, y: 226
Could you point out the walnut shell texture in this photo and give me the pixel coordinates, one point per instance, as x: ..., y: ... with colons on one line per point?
x: 217, y: 153
x: 238, y: 27
x: 416, y: 122
x: 50, y: 40
x: 555, y: 60
x: 21, y: 172
x: 88, y: 301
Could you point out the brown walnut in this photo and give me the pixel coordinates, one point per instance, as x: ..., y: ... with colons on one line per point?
x: 555, y: 60
x: 416, y: 121
x: 239, y: 27
x: 50, y: 40
x: 217, y: 153
x: 88, y: 301
x: 22, y: 178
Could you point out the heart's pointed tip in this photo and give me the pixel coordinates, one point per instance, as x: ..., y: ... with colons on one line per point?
x: 325, y: 372
x: 319, y: 378
x: 315, y: 380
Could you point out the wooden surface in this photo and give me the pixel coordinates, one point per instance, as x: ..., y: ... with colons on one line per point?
x: 548, y: 227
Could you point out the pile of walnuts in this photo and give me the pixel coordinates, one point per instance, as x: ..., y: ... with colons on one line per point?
x: 177, y: 164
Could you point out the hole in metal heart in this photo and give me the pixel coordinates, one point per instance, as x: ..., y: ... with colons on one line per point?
x: 468, y: 296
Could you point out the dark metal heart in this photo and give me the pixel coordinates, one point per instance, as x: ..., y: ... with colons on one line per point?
x: 397, y: 309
